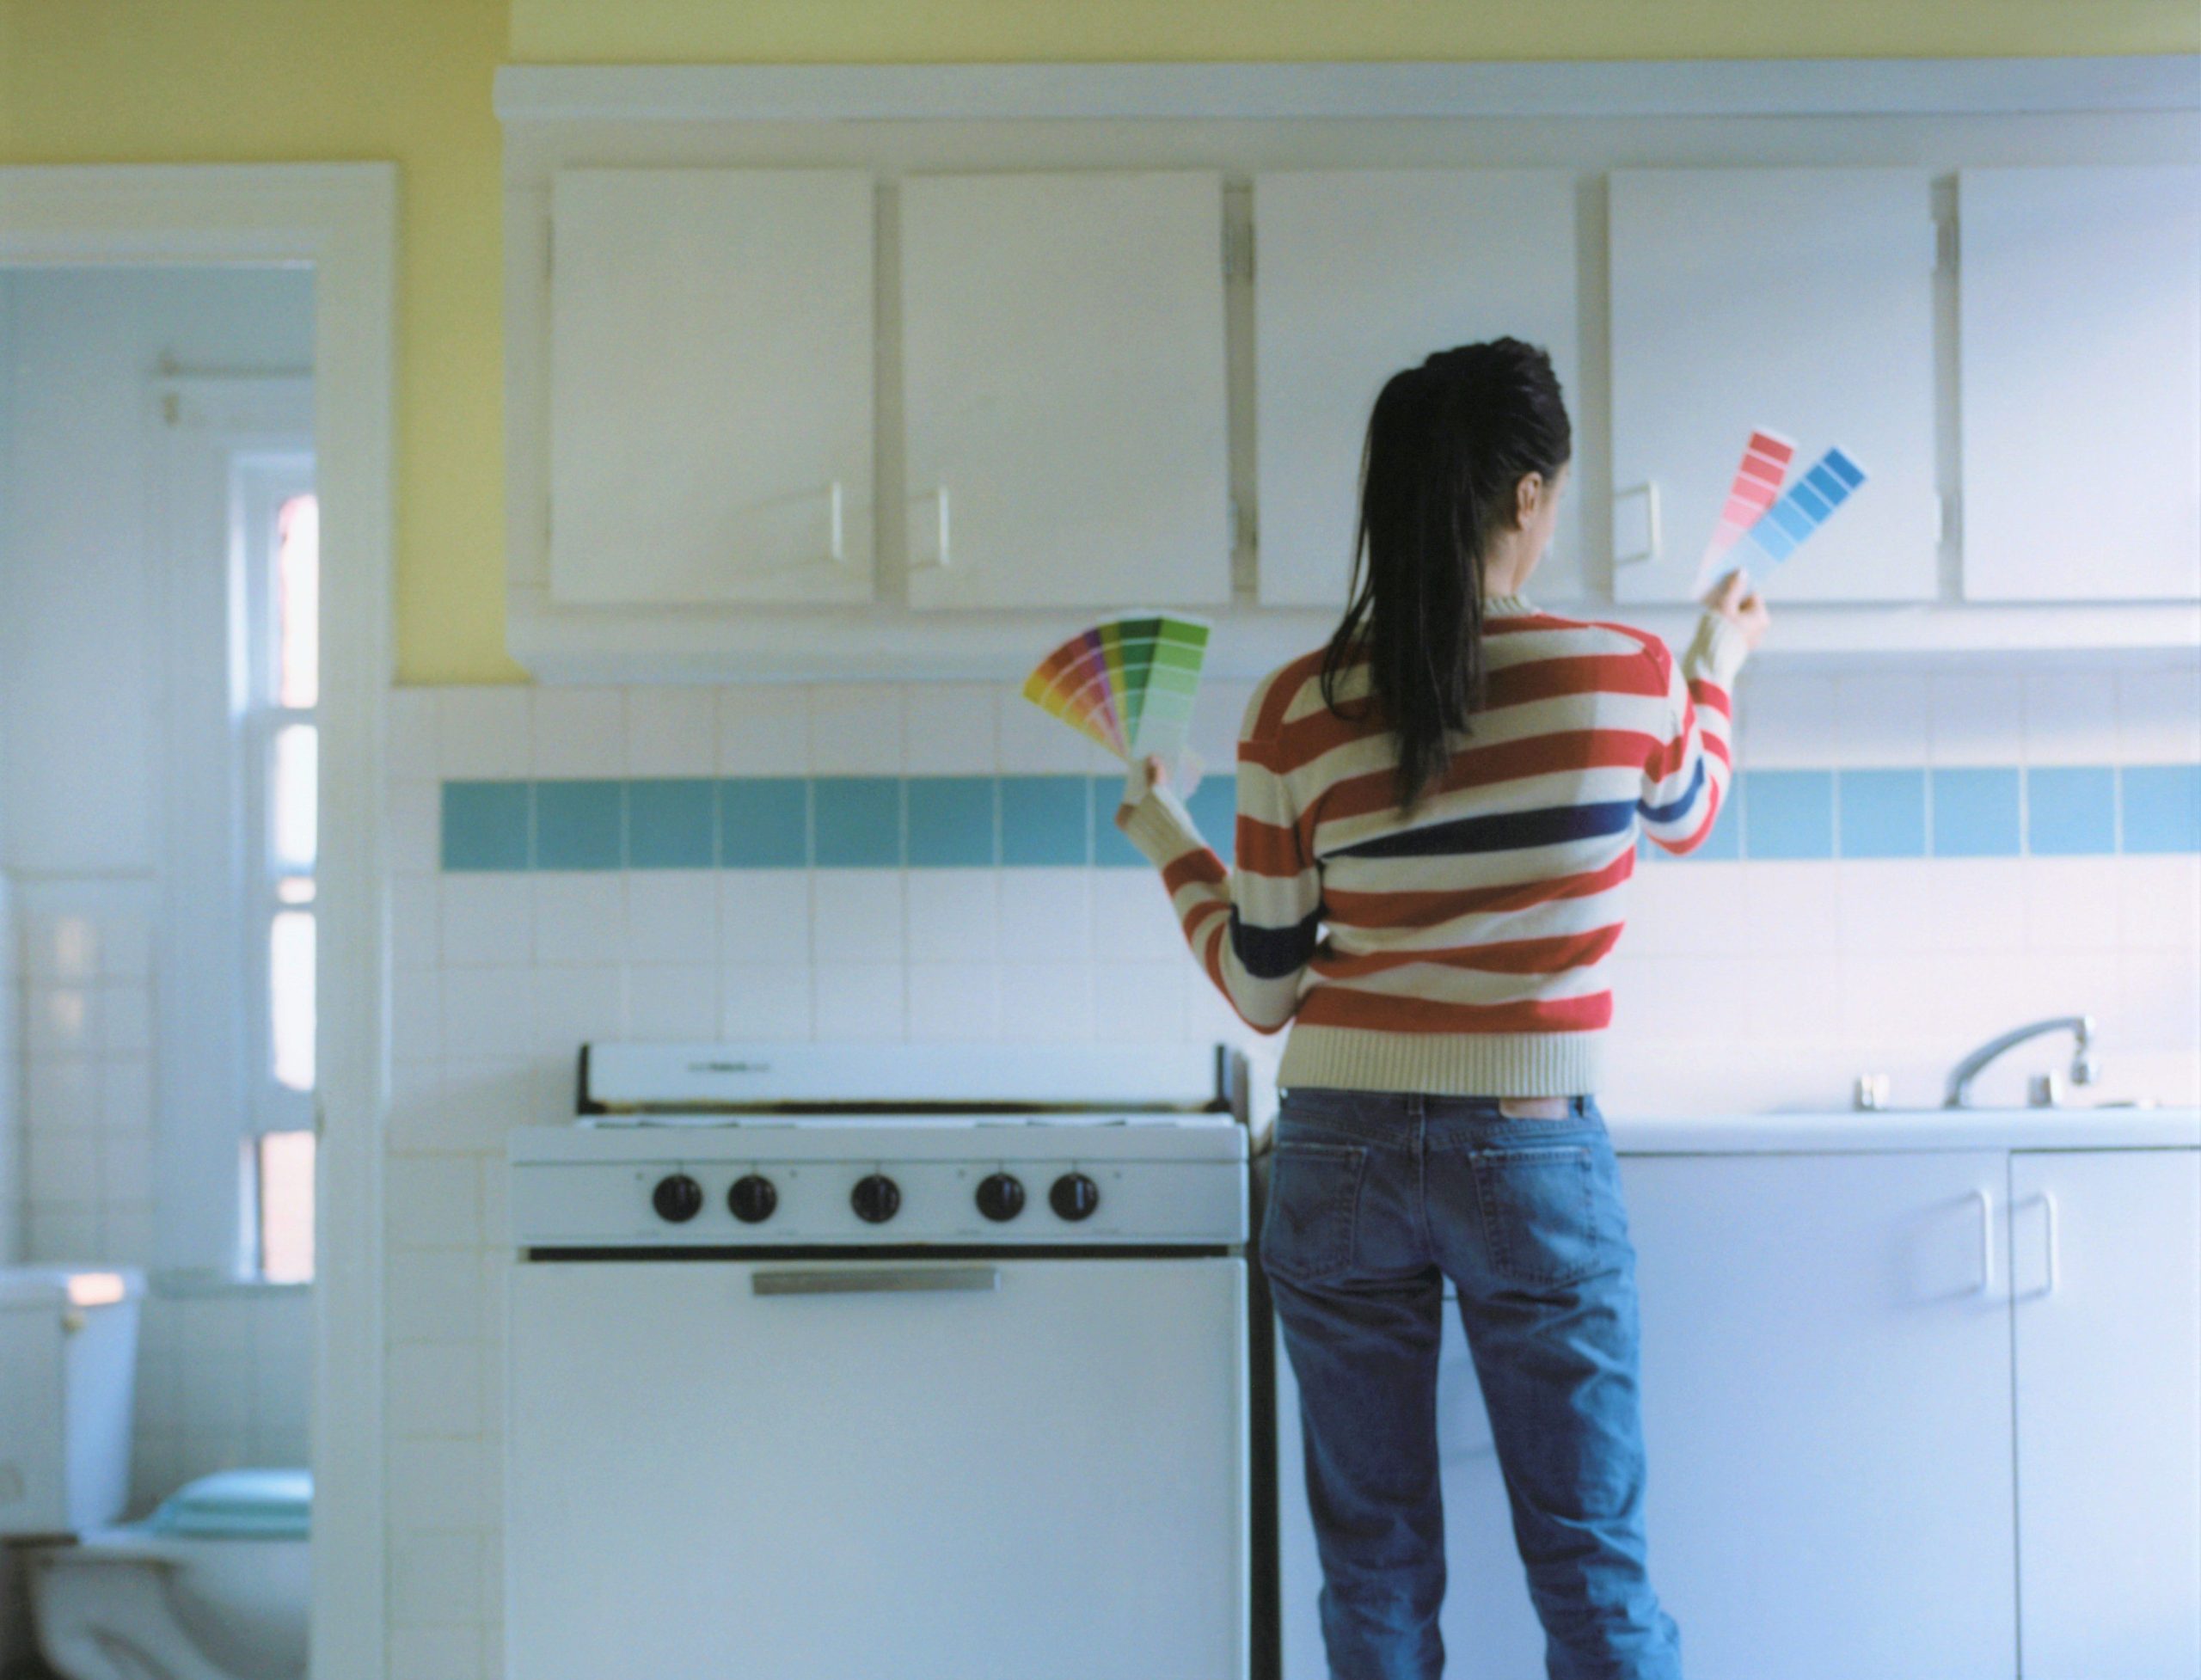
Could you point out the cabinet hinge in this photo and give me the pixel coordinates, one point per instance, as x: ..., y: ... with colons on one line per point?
x: 1945, y: 244
x: 1245, y: 525
x: 1948, y: 519
x: 1238, y: 251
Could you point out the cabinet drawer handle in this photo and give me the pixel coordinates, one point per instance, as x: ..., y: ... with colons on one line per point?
x: 1986, y: 1240
x: 938, y: 494
x: 2054, y: 1244
x: 876, y: 1280
x: 1649, y: 492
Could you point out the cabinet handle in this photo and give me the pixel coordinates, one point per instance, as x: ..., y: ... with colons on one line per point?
x: 939, y: 562
x: 834, y: 544
x: 1986, y: 1240
x: 1649, y: 492
x: 2054, y: 1244
x: 876, y: 1280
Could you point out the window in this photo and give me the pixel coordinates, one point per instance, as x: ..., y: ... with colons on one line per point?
x: 280, y: 597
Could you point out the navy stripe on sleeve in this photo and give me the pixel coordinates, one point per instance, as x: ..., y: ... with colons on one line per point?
x: 1270, y: 953
x: 1667, y: 813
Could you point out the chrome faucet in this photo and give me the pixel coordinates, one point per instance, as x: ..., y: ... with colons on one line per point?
x: 2084, y: 1067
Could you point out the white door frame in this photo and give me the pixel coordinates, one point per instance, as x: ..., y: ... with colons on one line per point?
x: 340, y: 219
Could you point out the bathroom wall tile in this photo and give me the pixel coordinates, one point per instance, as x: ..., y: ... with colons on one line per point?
x: 1786, y: 722
x: 1788, y: 813
x: 1975, y: 812
x: 856, y: 822
x: 1884, y: 718
x: 2158, y: 715
x: 2162, y: 807
x: 672, y: 1002
x: 1979, y: 905
x: 580, y: 824
x: 764, y: 916
x: 672, y: 730
x: 1139, y: 1003
x: 434, y: 1202
x: 859, y: 1002
x: 433, y: 1295
x: 488, y: 824
x: 765, y: 823
x: 1788, y: 910
x: 673, y: 918
x: 487, y: 918
x: 2070, y: 716
x: 1976, y: 719
x: 952, y: 821
x: 415, y: 827
x: 1046, y: 1002
x: 578, y: 917
x: 953, y: 915
x: 1787, y: 1001
x: 673, y: 823
x: 578, y: 734
x: 1887, y: 905
x: 857, y: 917
x: 577, y: 1004
x: 482, y: 733
x: 1111, y: 849
x: 488, y: 1011
x: 1047, y: 915
x: 435, y: 1578
x: 766, y: 1003
x: 436, y: 1487
x: 950, y: 728
x: 410, y: 754
x: 2070, y: 810
x: 2159, y: 999
x: 416, y: 1017
x: 957, y: 1001
x: 2070, y: 902
x: 2159, y: 901
x: 1134, y: 920
x: 855, y: 729
x: 1882, y: 813
x: 764, y: 730
x: 1044, y: 819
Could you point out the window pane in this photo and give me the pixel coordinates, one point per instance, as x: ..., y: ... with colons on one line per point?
x: 290, y: 991
x: 297, y: 602
x: 286, y: 1207
x: 297, y: 753
x: 295, y: 889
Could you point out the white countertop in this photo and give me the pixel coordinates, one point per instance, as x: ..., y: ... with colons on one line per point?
x: 1822, y: 1132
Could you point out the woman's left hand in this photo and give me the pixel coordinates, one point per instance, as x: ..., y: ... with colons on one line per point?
x: 1141, y: 775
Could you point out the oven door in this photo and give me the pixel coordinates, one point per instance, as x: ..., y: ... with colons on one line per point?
x: 877, y: 1469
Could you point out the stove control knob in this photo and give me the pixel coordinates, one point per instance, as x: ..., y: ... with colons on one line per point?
x: 1001, y: 1196
x: 677, y: 1198
x: 875, y: 1198
x: 752, y: 1199
x: 1074, y: 1196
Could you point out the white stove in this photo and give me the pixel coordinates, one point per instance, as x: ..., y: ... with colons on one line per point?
x: 846, y: 1362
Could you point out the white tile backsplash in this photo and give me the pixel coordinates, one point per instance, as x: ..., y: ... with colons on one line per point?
x: 578, y: 732
x: 672, y: 730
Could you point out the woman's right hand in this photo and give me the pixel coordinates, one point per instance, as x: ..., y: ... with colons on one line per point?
x: 1741, y: 605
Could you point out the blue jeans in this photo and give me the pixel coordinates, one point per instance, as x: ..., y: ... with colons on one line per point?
x: 1375, y: 1198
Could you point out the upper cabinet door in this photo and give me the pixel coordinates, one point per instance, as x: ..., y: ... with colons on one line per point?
x: 1063, y: 389
x: 2080, y: 352
x: 1360, y: 273
x: 1798, y: 301
x: 711, y: 386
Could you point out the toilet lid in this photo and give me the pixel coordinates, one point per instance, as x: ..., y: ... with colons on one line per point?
x: 239, y: 1504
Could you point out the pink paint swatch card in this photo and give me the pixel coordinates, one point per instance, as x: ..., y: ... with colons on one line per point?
x: 1756, y: 487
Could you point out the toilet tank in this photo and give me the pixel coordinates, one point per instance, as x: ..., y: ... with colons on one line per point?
x: 68, y: 1369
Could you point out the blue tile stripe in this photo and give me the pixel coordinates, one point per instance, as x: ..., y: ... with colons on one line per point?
x: 929, y: 822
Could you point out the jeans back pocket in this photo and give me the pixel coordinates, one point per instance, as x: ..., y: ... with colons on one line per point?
x: 1542, y: 1212
x: 1313, y: 1203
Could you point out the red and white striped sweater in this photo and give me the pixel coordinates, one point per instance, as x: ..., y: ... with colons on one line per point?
x: 1459, y: 950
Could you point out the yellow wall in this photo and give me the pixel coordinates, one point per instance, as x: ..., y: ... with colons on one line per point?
x: 233, y: 81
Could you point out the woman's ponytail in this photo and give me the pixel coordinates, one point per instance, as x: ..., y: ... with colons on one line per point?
x: 1448, y: 442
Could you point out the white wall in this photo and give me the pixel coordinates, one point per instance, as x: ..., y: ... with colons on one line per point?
x: 80, y: 629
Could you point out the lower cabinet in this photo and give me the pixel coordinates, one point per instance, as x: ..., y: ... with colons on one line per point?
x: 1830, y: 1411
x: 2106, y: 1287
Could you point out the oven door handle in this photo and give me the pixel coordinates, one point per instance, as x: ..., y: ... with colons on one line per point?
x: 874, y: 1281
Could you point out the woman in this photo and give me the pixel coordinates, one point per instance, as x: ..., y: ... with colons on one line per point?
x: 1437, y: 816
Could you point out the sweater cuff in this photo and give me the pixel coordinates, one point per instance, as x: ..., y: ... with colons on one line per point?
x: 1717, y: 652
x: 1161, y: 827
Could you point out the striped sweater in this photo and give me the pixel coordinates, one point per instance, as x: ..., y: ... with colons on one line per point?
x: 1459, y: 950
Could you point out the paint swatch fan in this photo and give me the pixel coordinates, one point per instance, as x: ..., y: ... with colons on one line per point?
x: 1127, y: 683
x: 1759, y: 527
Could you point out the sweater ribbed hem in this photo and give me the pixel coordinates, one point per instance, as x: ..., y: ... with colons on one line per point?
x: 1161, y: 829
x: 1716, y: 653
x: 1460, y: 1064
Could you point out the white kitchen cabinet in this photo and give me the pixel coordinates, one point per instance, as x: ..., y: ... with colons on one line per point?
x: 1796, y: 300
x: 711, y: 413
x: 1063, y: 389
x: 2080, y: 383
x: 1361, y: 273
x: 1827, y: 1415
x: 2106, y: 1252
